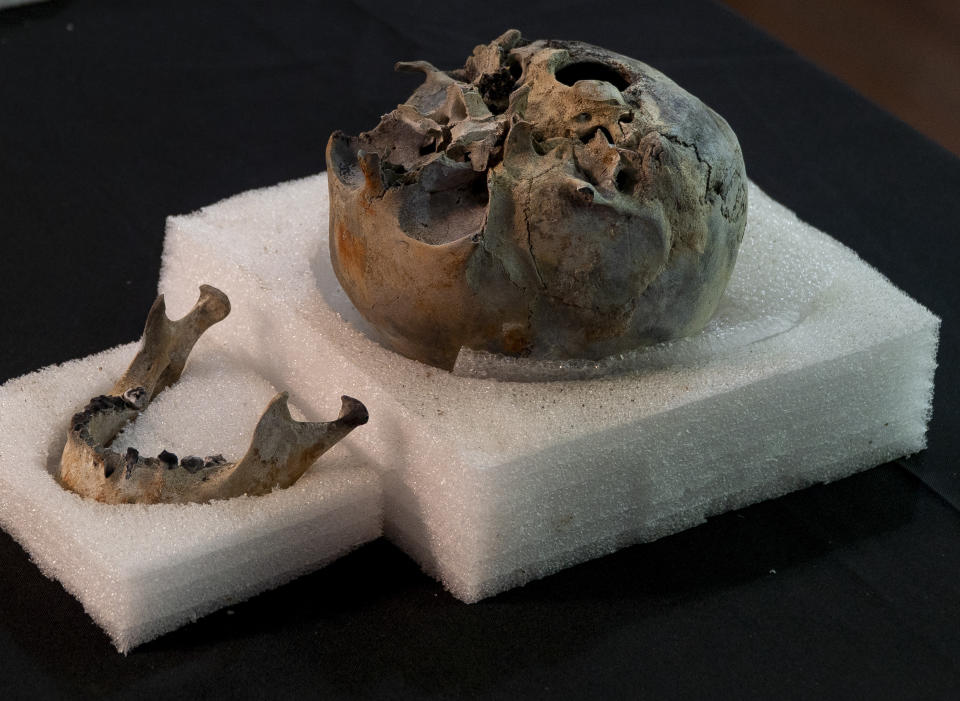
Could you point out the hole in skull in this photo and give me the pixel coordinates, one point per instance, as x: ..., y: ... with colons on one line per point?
x: 591, y: 70
x: 588, y: 135
x: 495, y: 89
x: 626, y: 180
x: 446, y: 136
x: 537, y: 141
x: 626, y: 118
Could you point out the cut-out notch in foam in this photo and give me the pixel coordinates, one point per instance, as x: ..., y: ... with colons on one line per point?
x: 820, y: 368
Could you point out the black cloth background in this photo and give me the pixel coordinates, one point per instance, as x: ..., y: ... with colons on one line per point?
x: 116, y: 114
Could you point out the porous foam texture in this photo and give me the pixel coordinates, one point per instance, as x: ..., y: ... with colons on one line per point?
x: 142, y: 570
x: 816, y: 367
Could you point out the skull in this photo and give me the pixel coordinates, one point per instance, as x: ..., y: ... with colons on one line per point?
x: 550, y: 199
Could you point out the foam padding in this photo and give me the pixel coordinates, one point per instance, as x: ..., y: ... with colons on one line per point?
x: 814, y: 368
x: 142, y: 570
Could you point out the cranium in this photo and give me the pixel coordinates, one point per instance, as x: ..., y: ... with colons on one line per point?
x: 550, y: 199
x: 281, y: 450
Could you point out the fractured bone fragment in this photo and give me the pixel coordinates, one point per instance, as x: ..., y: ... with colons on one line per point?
x: 550, y: 199
x: 281, y: 449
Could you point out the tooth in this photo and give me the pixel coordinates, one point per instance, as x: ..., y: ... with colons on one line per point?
x: 281, y: 450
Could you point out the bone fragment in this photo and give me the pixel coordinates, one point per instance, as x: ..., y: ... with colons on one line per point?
x: 281, y: 450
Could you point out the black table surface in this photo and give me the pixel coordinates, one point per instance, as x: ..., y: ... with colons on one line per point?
x: 115, y: 114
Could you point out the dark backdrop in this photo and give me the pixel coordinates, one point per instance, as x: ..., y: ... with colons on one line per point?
x: 114, y: 115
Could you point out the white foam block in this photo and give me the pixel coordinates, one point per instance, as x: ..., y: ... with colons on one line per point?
x: 816, y: 367
x: 142, y: 570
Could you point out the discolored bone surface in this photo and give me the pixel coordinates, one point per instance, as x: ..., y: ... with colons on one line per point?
x: 281, y: 450
x: 550, y: 199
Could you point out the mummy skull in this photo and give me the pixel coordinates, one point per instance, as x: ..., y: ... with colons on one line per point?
x: 550, y: 199
x: 281, y: 450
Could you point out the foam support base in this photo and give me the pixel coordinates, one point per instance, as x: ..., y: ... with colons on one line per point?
x: 816, y: 367
x: 143, y: 570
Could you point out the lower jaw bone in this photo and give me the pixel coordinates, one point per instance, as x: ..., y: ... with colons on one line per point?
x: 281, y: 450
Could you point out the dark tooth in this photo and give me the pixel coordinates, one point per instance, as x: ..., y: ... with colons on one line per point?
x: 98, y: 403
x: 131, y: 461
x: 109, y: 467
x: 79, y: 421
x: 168, y: 458
x: 214, y: 460
x: 104, y: 402
x: 191, y: 464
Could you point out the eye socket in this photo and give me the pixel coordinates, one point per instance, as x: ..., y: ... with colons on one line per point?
x: 591, y: 70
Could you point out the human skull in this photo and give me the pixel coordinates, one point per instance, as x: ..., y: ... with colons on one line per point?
x: 550, y: 199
